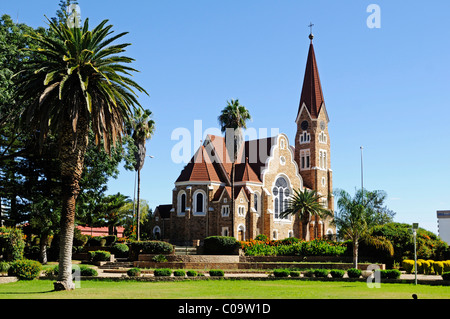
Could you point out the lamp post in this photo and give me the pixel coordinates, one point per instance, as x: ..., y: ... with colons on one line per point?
x: 415, y: 226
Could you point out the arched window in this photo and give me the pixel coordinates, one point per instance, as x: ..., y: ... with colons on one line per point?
x: 181, y: 205
x: 281, y: 195
x: 183, y: 202
x: 156, y: 232
x: 199, y: 203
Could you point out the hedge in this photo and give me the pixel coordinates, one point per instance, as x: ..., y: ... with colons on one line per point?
x: 337, y: 273
x: 220, y: 245
x: 216, y: 273
x: 353, y: 273
x: 134, y: 272
x: 100, y: 255
x: 153, y: 247
x: 281, y: 273
x: 162, y: 272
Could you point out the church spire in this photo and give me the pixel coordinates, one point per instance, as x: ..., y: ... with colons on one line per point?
x: 311, y: 95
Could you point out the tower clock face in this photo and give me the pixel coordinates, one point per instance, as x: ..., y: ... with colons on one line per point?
x: 322, y: 125
x: 304, y: 125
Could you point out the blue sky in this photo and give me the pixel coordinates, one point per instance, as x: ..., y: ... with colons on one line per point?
x: 386, y: 89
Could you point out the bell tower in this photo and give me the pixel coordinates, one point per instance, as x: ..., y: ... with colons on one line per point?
x: 312, y: 140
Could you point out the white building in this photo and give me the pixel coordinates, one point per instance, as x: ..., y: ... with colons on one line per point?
x: 443, y: 217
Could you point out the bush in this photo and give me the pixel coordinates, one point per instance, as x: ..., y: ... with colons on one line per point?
x: 321, y: 273
x: 179, y: 273
x: 88, y: 271
x: 446, y: 266
x: 337, y: 273
x: 153, y: 247
x: 261, y: 237
x: 353, y: 273
x: 97, y: 241
x: 120, y: 250
x: 281, y: 273
x: 438, y: 267
x: 25, y: 269
x: 159, y: 258
x: 426, y: 267
x: 220, y: 245
x: 4, y: 266
x: 162, y: 272
x: 216, y: 272
x: 191, y: 273
x: 134, y: 272
x: 408, y: 265
x: 100, y: 255
x: 389, y: 274
x: 110, y: 239
x: 12, y: 244
x: 446, y: 275
x: 294, y: 273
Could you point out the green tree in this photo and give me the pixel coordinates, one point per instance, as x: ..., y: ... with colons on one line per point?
x: 77, y: 81
x: 305, y: 204
x: 232, y: 119
x: 357, y: 216
x: 141, y: 128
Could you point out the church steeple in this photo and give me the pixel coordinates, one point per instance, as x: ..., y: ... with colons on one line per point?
x: 311, y: 95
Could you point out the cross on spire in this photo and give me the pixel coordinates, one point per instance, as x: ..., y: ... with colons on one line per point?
x: 311, y: 36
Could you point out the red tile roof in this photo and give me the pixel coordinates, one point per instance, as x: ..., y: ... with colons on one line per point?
x: 99, y: 231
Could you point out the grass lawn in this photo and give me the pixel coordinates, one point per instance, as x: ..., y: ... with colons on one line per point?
x: 221, y: 289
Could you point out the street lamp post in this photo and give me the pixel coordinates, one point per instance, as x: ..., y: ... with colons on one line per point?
x: 415, y: 226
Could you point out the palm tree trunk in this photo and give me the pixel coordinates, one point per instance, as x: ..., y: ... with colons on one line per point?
x: 355, y: 253
x: 232, y: 199
x: 138, y: 206
x: 43, y: 248
x: 72, y: 153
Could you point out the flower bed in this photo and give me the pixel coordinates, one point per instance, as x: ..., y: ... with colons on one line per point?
x: 293, y: 247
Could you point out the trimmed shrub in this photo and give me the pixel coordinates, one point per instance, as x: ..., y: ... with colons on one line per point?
x: 191, y: 273
x: 281, y: 273
x: 96, y: 241
x: 220, y: 245
x: 134, y: 272
x: 216, y: 272
x: 426, y: 267
x: 353, y: 273
x: 389, y: 273
x: 100, y: 255
x: 25, y: 269
x: 446, y: 275
x: 408, y: 265
x: 309, y: 273
x: 438, y: 267
x: 446, y: 266
x: 420, y: 266
x: 120, y: 250
x: 262, y: 237
x: 337, y: 273
x: 321, y: 273
x: 162, y: 272
x: 294, y: 273
x: 88, y: 271
x: 153, y: 247
x: 179, y: 273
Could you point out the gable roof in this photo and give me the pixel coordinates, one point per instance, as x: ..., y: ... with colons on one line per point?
x: 212, y: 162
x: 164, y: 210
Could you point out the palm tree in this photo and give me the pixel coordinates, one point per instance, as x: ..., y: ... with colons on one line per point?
x: 232, y: 119
x: 305, y: 204
x: 77, y: 81
x: 143, y: 128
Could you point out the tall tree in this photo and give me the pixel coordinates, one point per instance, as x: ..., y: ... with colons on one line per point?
x: 357, y: 215
x: 305, y: 204
x: 232, y: 119
x: 77, y: 80
x: 142, y: 127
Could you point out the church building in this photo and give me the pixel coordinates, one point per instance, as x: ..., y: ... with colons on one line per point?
x: 267, y: 172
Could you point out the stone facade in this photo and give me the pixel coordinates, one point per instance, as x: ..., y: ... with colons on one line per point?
x: 267, y: 173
